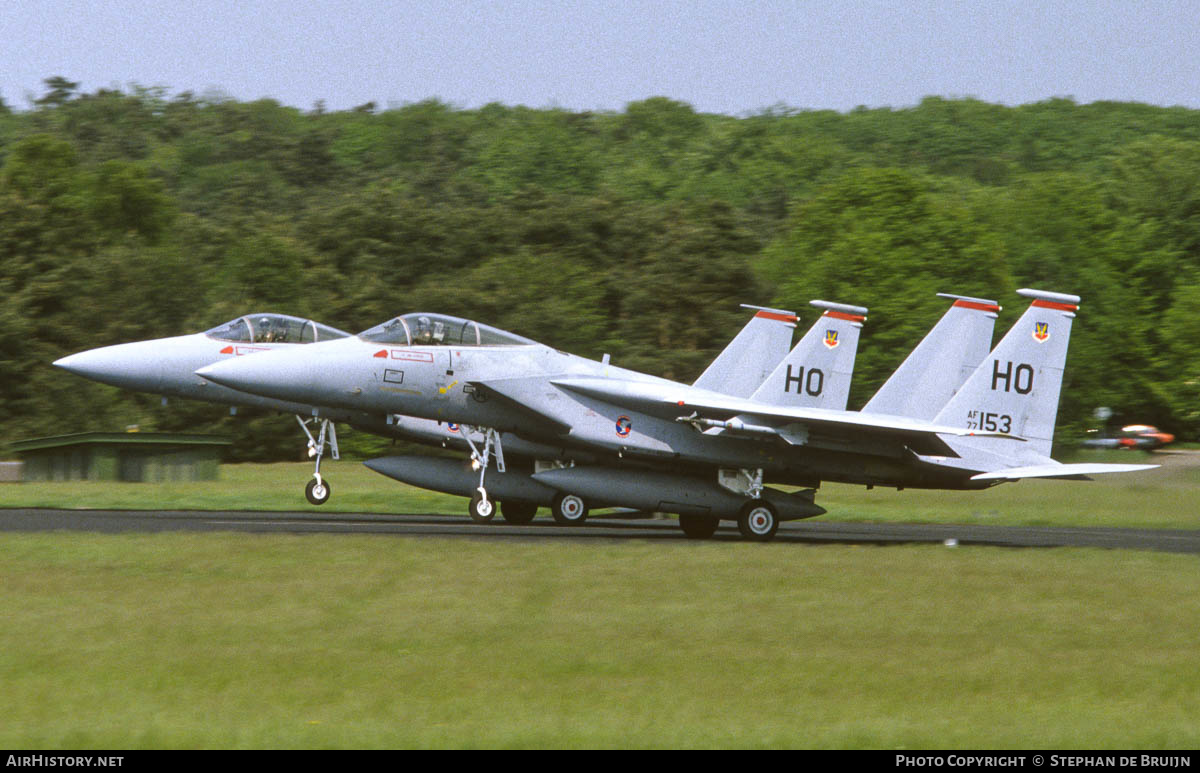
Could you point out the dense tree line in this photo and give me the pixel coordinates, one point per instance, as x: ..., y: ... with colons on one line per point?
x: 135, y: 214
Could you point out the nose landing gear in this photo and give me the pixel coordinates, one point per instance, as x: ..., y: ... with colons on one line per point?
x: 318, y: 490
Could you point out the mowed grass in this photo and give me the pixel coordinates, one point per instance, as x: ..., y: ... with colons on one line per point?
x: 1168, y: 497
x: 271, y: 487
x: 251, y: 641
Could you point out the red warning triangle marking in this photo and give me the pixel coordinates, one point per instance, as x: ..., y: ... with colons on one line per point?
x: 380, y: 353
x: 227, y: 350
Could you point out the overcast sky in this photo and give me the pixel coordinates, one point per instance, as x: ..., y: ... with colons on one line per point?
x: 721, y: 56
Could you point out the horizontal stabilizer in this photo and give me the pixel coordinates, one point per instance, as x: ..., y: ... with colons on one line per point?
x: 1066, y: 471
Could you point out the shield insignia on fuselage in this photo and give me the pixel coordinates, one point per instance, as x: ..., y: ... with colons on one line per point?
x: 1041, y: 332
x: 831, y: 338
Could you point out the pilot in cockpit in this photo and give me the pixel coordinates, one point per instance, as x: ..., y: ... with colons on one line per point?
x: 265, y: 331
x: 424, y: 334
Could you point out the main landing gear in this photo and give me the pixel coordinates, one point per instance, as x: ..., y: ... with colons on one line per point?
x: 518, y: 513
x: 698, y: 526
x: 317, y: 491
x: 758, y: 520
x: 513, y: 511
x: 569, y: 510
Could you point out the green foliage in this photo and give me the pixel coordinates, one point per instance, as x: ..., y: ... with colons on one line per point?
x: 130, y: 215
x: 890, y: 240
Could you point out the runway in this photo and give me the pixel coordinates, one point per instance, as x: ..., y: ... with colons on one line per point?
x: 811, y: 532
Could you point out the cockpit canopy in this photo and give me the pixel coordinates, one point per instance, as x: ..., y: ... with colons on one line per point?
x: 422, y: 329
x: 274, y: 329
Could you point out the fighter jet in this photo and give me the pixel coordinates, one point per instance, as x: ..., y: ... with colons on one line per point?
x: 694, y: 451
x: 167, y: 366
x: 739, y: 370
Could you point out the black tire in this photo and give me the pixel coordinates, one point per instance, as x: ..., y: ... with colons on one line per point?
x: 758, y: 520
x: 569, y: 510
x: 518, y: 513
x: 481, y: 510
x: 698, y: 526
x: 315, y: 496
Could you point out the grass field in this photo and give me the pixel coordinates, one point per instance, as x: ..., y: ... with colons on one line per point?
x: 265, y: 641
x: 249, y: 641
x: 1165, y: 498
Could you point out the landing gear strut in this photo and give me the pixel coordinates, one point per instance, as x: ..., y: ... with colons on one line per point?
x: 482, y: 509
x: 318, y: 490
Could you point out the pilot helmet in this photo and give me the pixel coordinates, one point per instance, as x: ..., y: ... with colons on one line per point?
x: 424, y: 330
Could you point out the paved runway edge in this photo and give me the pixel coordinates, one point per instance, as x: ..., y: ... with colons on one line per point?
x: 426, y: 525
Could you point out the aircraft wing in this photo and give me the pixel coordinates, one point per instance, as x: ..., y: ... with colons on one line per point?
x: 794, y: 425
x: 516, y: 392
x: 1060, y: 471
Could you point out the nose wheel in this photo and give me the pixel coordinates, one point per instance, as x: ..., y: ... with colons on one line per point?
x: 482, y: 509
x: 317, y: 491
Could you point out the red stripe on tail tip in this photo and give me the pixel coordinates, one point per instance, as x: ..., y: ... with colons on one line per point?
x: 844, y: 315
x: 778, y: 317
x: 1053, y: 305
x: 977, y: 306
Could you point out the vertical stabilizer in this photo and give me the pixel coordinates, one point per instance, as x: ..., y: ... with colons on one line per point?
x: 1015, y: 390
x: 752, y: 354
x: 816, y: 373
x: 941, y: 363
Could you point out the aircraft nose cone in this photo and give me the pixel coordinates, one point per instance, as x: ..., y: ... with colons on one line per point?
x: 270, y: 374
x: 70, y: 363
x: 124, y: 365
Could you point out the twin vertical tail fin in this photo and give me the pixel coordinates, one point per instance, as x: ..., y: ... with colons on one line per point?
x: 816, y: 373
x: 1016, y: 389
x: 941, y: 363
x: 752, y: 354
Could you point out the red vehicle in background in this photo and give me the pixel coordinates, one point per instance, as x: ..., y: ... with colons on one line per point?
x: 1144, y: 437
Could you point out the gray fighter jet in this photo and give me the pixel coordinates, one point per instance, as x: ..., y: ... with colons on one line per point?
x: 688, y: 449
x: 740, y: 370
x: 167, y: 366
